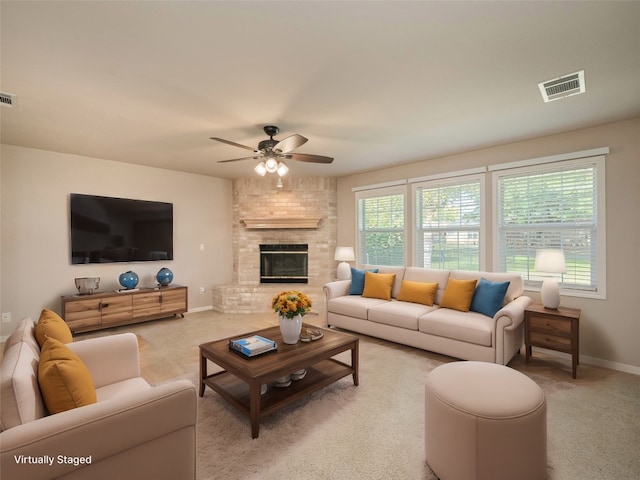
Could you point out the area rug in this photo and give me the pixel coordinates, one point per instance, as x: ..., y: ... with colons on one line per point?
x: 376, y: 430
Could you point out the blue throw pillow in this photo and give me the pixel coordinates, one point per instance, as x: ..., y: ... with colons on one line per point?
x: 357, y: 280
x: 488, y: 297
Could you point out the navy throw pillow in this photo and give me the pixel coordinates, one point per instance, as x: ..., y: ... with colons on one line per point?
x: 488, y: 297
x: 357, y: 280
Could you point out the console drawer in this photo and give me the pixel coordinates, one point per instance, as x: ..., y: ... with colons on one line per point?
x: 554, y: 342
x: 551, y: 325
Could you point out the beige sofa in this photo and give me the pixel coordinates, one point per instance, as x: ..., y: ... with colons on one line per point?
x: 133, y: 431
x: 465, y: 335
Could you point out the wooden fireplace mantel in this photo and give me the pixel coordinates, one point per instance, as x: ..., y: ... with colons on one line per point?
x: 281, y: 222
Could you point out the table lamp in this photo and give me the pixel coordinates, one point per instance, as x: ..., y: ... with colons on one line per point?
x: 550, y: 261
x: 344, y: 255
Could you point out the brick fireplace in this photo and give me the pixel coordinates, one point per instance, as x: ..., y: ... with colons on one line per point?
x: 303, y: 212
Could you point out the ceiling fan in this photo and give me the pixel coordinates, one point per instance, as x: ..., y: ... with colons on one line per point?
x: 272, y: 151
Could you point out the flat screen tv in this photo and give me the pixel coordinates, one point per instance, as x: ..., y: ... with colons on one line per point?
x: 107, y: 230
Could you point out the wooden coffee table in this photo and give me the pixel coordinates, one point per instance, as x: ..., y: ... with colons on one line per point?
x: 240, y: 381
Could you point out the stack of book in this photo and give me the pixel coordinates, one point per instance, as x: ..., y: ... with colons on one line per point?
x: 253, y: 345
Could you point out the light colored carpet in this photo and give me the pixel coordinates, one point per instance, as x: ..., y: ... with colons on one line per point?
x: 376, y: 430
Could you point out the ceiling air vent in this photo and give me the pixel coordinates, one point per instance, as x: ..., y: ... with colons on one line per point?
x: 561, y: 87
x: 7, y: 99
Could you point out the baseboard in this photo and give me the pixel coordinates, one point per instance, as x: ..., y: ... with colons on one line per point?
x: 597, y: 362
x: 200, y: 309
x: 3, y: 338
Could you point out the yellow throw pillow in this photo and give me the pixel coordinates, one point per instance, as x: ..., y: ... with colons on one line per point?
x: 50, y: 325
x: 418, y: 292
x: 65, y: 382
x: 378, y: 285
x: 458, y: 294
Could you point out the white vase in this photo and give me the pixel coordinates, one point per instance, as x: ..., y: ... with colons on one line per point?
x: 290, y: 328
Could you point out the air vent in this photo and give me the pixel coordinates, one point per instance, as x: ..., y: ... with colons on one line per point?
x: 7, y: 99
x: 561, y: 87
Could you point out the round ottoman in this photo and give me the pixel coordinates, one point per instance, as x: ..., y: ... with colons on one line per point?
x: 484, y: 421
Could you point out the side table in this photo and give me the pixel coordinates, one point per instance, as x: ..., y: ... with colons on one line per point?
x: 555, y: 329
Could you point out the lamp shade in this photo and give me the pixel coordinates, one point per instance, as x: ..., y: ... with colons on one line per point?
x: 344, y: 254
x: 550, y: 261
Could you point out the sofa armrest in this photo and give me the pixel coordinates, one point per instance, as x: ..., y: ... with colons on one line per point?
x: 339, y: 288
x: 102, y: 431
x: 109, y: 359
x: 514, y: 311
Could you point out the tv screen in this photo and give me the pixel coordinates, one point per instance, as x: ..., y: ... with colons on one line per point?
x: 106, y: 230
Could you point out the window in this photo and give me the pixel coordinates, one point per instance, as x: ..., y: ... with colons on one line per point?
x: 381, y: 226
x: 554, y: 205
x: 448, y: 223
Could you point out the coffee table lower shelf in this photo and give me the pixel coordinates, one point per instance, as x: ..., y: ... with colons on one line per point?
x: 237, y: 392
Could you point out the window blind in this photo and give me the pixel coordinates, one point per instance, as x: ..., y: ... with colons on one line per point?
x: 448, y: 222
x: 381, y: 229
x: 550, y: 206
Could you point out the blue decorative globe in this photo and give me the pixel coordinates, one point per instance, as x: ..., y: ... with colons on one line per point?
x: 128, y: 280
x: 164, y: 276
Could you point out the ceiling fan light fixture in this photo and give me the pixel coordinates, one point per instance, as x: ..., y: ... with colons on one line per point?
x: 261, y: 169
x: 271, y: 165
x: 282, y: 169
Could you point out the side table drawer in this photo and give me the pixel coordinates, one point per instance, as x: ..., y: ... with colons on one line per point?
x: 548, y: 340
x: 552, y: 325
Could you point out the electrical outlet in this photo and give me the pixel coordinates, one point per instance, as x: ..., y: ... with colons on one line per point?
x: 201, y: 289
x: 6, y: 317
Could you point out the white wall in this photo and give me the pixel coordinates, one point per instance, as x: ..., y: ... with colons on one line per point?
x: 610, y: 328
x: 35, y: 268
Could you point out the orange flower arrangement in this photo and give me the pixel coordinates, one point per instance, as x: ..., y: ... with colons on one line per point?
x: 291, y: 303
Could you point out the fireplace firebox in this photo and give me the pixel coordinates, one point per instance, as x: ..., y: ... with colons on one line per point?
x: 284, y: 263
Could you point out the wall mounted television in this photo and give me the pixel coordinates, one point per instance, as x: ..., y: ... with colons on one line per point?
x: 107, y: 230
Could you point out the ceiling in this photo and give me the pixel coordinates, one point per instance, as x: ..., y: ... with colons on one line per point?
x: 372, y: 84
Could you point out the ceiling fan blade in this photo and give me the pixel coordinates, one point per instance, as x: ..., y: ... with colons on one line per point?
x: 290, y: 143
x: 255, y: 157
x: 229, y: 142
x: 305, y: 157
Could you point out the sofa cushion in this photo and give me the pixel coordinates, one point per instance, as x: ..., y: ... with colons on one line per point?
x: 516, y: 285
x: 488, y: 297
x: 399, y: 273
x: 469, y: 327
x: 353, y: 306
x: 458, y: 294
x: 19, y: 391
x: 378, y: 285
x: 429, y: 275
x: 399, y: 314
x: 357, y: 280
x: 50, y: 325
x: 64, y: 379
x: 418, y: 292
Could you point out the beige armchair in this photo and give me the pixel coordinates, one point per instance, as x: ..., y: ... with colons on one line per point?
x: 134, y: 430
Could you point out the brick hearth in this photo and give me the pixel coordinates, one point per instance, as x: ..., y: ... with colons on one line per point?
x: 258, y: 198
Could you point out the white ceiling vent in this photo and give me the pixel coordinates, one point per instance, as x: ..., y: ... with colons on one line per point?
x: 7, y: 99
x: 561, y: 87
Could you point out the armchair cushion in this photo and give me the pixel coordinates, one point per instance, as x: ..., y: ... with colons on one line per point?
x: 64, y: 380
x: 20, y: 394
x: 50, y: 325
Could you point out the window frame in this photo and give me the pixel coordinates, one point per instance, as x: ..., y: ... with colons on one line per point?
x: 541, y: 165
x: 446, y: 181
x: 382, y: 191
